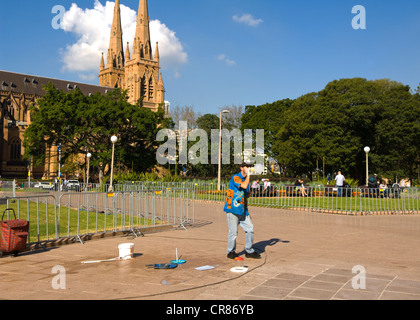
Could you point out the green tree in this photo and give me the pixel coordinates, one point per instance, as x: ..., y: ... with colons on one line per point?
x: 397, y: 139
x: 339, y: 121
x: 268, y: 117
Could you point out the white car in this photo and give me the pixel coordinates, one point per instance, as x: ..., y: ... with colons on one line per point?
x: 44, y: 185
x: 72, y: 185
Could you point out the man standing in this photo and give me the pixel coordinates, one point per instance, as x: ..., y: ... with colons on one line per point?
x: 236, y: 209
x: 267, y: 184
x: 339, y: 182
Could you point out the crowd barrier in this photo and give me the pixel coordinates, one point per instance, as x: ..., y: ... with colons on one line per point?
x: 77, y: 214
x: 362, y: 200
x: 135, y: 206
x: 341, y: 200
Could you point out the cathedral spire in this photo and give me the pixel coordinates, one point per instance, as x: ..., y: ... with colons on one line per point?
x: 102, y: 65
x: 143, y: 31
x: 113, y: 74
x: 127, y: 52
x: 157, y: 56
x: 116, y: 39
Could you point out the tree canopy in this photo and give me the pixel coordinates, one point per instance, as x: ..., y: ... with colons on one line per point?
x: 338, y: 122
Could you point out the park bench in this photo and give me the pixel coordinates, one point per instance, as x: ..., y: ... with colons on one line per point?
x: 332, y: 191
x: 393, y: 192
x: 259, y: 192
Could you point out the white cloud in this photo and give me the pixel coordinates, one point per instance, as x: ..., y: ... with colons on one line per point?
x: 170, y: 48
x: 224, y: 58
x: 247, y: 19
x: 92, y: 29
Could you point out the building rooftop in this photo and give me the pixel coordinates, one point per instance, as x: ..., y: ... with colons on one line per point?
x: 31, y: 84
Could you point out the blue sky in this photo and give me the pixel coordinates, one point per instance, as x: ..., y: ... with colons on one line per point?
x: 293, y: 48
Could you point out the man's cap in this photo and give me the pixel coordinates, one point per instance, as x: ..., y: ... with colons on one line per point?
x: 244, y: 164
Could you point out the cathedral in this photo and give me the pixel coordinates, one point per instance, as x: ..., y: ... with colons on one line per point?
x: 137, y: 72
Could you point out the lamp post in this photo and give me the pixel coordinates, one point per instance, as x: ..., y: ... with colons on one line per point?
x: 367, y: 150
x: 114, y: 139
x: 219, y: 174
x: 88, y: 156
x: 59, y: 160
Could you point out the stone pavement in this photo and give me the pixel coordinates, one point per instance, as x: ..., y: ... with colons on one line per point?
x: 305, y: 255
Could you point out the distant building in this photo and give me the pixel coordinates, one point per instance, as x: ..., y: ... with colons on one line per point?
x: 167, y: 107
x: 18, y: 92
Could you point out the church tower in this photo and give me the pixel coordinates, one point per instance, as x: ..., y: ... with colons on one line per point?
x: 138, y: 72
x: 112, y: 74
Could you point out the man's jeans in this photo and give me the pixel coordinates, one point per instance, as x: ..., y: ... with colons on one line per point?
x: 245, y: 222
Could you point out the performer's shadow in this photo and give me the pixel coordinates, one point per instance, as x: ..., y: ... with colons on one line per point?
x: 260, y: 246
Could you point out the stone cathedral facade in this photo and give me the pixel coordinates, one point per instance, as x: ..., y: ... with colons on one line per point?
x: 137, y: 72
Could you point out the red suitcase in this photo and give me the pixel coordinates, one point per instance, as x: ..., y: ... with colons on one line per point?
x: 13, y: 235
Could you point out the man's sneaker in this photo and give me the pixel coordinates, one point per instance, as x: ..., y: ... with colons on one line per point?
x: 254, y: 255
x: 232, y: 255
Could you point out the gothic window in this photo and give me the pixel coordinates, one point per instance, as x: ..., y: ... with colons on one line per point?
x: 119, y: 61
x: 146, y: 51
x: 132, y: 88
x: 143, y: 87
x: 15, y: 150
x: 11, y: 110
x: 4, y: 85
x: 151, y: 88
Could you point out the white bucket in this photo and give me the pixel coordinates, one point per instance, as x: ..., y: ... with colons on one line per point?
x: 126, y: 251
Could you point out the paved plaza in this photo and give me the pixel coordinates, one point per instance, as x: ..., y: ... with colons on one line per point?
x: 305, y: 255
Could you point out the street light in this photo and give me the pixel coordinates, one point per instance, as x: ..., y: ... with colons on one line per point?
x: 219, y: 174
x: 88, y: 156
x: 114, y: 139
x: 367, y: 150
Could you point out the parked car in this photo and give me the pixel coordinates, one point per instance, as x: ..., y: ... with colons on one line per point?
x: 44, y: 185
x: 72, y: 185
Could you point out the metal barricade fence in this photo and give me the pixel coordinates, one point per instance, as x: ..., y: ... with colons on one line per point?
x: 319, y: 198
x: 78, y: 214
x: 39, y: 210
x: 145, y: 205
x: 322, y: 199
x: 341, y: 201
